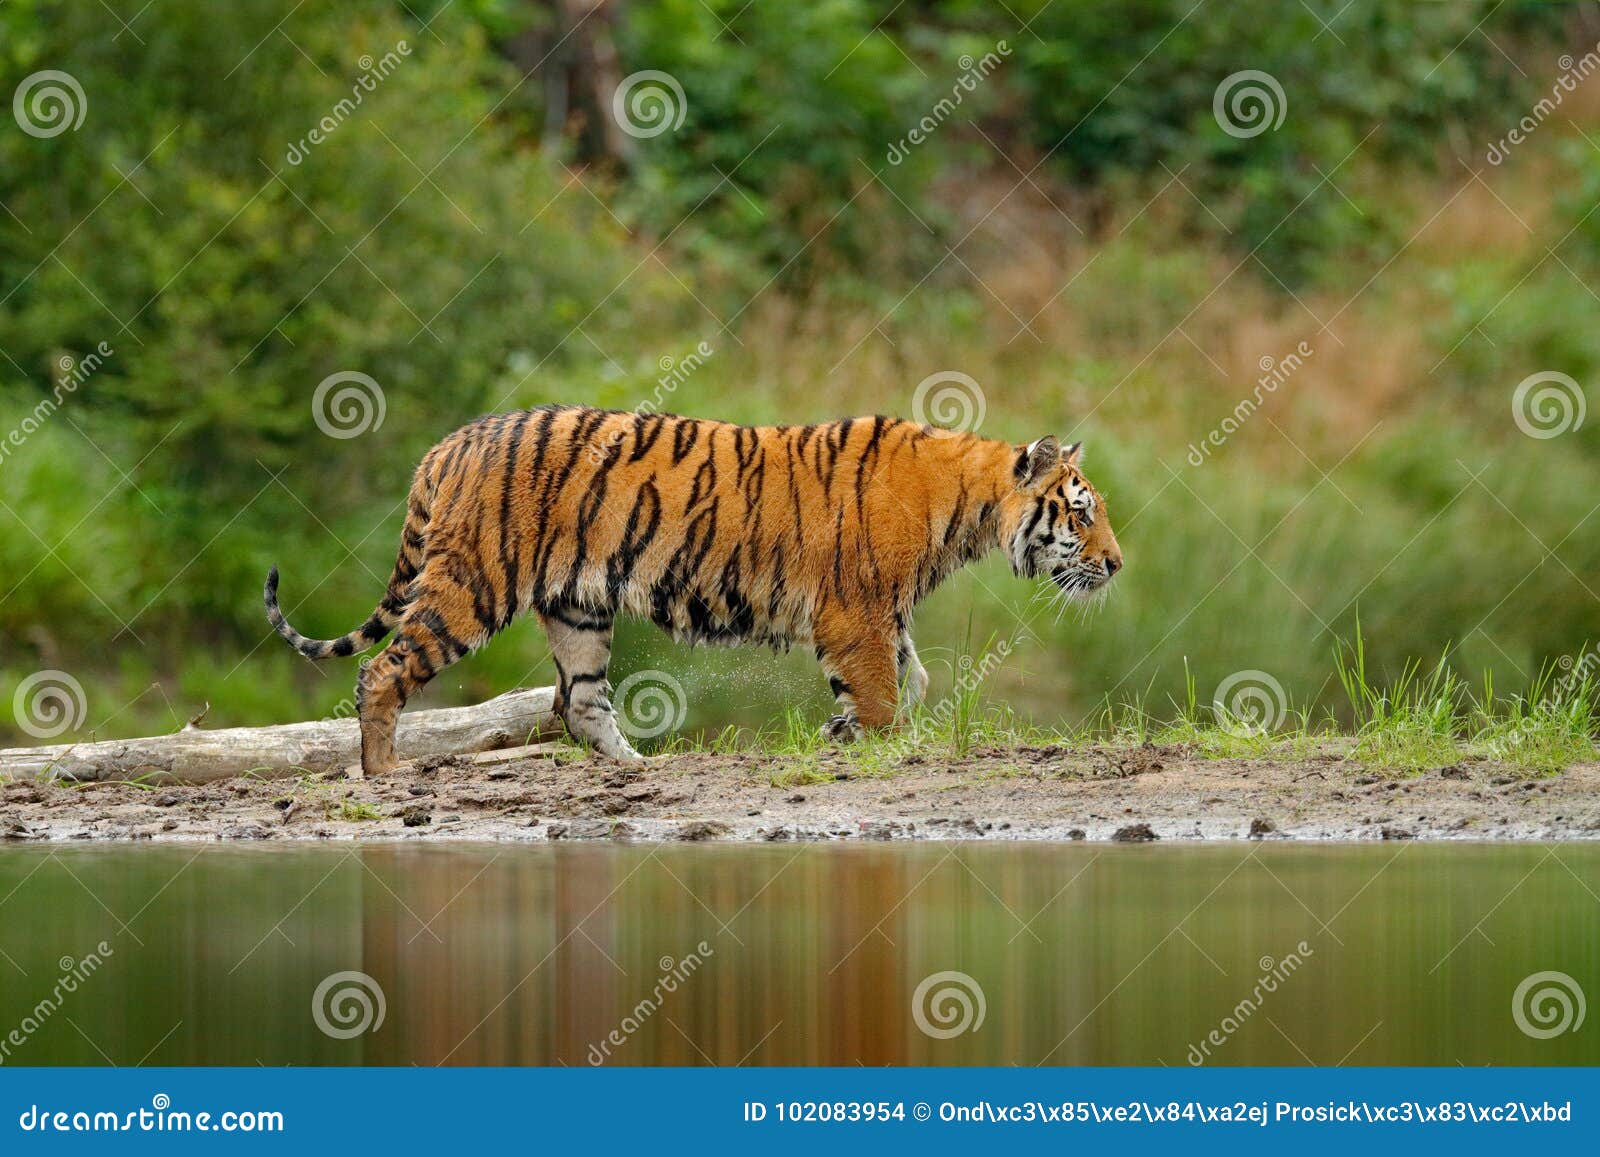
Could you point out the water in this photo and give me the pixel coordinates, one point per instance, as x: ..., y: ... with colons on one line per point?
x: 797, y: 954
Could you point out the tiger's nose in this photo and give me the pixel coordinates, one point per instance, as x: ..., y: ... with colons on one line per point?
x: 1112, y: 565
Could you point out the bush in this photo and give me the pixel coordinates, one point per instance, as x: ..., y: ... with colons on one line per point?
x: 1130, y: 87
x: 231, y: 263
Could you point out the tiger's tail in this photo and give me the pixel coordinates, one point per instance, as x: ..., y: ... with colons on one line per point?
x: 413, y: 547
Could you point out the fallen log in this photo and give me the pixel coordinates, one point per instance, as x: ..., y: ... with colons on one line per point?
x: 192, y: 755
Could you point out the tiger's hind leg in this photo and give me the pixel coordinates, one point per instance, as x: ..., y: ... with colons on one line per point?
x: 439, y: 626
x: 580, y: 641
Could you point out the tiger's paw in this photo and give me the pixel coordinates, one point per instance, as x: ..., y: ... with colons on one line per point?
x: 843, y: 729
x: 621, y: 753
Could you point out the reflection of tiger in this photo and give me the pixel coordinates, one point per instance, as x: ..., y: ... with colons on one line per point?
x: 825, y: 535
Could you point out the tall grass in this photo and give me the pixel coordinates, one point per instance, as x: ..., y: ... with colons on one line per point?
x: 1427, y: 717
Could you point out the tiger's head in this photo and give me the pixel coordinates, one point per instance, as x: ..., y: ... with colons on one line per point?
x: 1053, y: 521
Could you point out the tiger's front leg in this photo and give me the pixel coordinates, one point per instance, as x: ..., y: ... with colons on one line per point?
x: 580, y: 642
x: 859, y: 660
x: 913, y: 675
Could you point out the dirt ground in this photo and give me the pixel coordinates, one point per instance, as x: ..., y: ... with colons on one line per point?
x: 1124, y: 794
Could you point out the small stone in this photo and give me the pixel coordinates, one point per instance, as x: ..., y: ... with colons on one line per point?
x: 696, y: 830
x: 429, y: 765
x: 245, y: 832
x: 1134, y: 834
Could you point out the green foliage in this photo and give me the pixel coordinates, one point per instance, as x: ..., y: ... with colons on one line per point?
x: 782, y: 159
x: 1130, y: 88
x: 790, y: 110
x: 230, y: 264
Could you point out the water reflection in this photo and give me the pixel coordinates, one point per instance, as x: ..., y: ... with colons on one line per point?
x: 797, y: 954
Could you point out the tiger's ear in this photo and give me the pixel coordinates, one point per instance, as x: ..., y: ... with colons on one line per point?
x: 1037, y: 459
x: 1073, y: 455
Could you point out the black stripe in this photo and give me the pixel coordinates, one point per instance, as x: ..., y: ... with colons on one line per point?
x: 646, y: 432
x: 644, y: 520
x: 450, y: 647
x: 685, y: 433
x: 508, y: 538
x: 574, y: 618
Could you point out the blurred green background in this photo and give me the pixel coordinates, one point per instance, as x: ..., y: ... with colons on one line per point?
x: 1087, y: 222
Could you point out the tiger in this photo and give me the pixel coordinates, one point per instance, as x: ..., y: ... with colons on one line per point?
x: 824, y: 536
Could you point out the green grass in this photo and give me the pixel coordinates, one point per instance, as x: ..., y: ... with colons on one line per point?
x: 333, y: 797
x: 352, y: 811
x: 1425, y: 717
